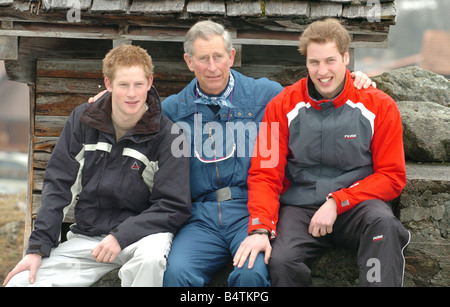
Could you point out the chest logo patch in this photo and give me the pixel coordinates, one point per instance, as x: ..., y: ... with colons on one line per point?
x: 349, y: 136
x: 135, y: 166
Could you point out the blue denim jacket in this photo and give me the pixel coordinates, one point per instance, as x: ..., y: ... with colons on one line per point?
x: 238, y: 125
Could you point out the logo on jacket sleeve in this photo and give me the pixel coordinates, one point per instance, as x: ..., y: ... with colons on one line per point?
x: 349, y: 136
x: 135, y: 166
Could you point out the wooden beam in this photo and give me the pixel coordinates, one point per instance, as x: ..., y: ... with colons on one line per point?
x: 120, y: 34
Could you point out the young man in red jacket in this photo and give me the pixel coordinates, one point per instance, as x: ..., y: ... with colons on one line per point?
x: 336, y: 158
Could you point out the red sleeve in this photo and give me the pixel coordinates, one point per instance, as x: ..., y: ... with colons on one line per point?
x: 266, y: 174
x: 389, y: 173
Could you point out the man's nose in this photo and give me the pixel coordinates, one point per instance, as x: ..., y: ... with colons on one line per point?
x: 131, y: 91
x: 323, y: 70
x: 212, y: 64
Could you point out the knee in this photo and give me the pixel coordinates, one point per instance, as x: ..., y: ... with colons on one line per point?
x: 384, y: 223
x: 257, y: 276
x: 180, y: 274
x: 287, y: 269
x: 285, y: 261
x: 20, y: 280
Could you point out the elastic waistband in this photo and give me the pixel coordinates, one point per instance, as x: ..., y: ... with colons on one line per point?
x: 224, y: 194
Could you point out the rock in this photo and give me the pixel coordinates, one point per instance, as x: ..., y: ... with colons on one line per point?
x: 415, y: 84
x: 11, y: 231
x: 426, y: 133
x: 425, y: 212
x: 110, y: 279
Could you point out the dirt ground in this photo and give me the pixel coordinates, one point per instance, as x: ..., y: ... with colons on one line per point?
x: 12, y: 221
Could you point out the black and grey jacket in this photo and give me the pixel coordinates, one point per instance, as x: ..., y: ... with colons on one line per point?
x: 131, y: 188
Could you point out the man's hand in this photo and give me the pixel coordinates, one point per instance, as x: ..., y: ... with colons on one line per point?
x: 251, y: 246
x: 94, y: 99
x: 107, y: 249
x: 362, y: 80
x: 323, y: 220
x: 30, y: 262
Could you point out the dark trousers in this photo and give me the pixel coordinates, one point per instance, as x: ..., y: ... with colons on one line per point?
x: 370, y: 227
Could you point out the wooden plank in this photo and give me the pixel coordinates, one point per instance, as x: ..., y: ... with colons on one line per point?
x: 44, y: 144
x: 206, y: 7
x: 36, y: 204
x: 38, y: 180
x: 59, y: 104
x: 41, y: 160
x: 69, y: 85
x: 157, y: 7
x: 319, y: 10
x: 49, y: 125
x: 287, y: 8
x: 110, y: 6
x: 244, y: 8
x: 79, y: 68
x: 28, y: 212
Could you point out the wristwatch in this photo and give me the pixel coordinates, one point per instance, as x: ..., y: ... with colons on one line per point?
x: 260, y: 231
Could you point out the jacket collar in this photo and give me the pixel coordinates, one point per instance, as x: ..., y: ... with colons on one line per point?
x: 337, y: 101
x: 98, y: 115
x: 241, y: 95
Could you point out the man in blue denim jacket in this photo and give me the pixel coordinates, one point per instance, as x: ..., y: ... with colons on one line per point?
x: 220, y: 112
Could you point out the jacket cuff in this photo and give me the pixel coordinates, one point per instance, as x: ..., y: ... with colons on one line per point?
x: 262, y: 223
x: 40, y: 249
x: 341, y: 205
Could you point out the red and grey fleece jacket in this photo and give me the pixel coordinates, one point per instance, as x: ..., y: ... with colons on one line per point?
x: 349, y: 148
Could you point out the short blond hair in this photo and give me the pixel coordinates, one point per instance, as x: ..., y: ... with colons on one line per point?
x: 127, y: 56
x: 325, y: 31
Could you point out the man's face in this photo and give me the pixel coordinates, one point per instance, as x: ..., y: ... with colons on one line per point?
x: 128, y: 90
x: 327, y: 68
x: 211, y: 64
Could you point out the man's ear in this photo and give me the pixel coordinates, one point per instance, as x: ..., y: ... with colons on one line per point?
x: 346, y: 58
x: 150, y: 82
x: 188, y: 61
x: 108, y: 84
x: 232, y: 56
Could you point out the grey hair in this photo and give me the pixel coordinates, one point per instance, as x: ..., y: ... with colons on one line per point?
x: 205, y: 30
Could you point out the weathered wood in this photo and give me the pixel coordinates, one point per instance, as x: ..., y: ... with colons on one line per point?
x: 28, y: 212
x: 77, y: 68
x: 41, y: 159
x: 287, y: 8
x: 49, y: 125
x: 38, y: 179
x: 111, y: 6
x: 69, y: 85
x: 9, y: 48
x: 244, y: 8
x: 43, y: 144
x: 63, y: 104
x: 206, y: 7
x: 157, y: 7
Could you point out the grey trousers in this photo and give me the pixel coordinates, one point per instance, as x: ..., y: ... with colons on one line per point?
x: 370, y: 227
